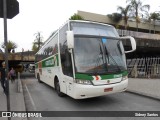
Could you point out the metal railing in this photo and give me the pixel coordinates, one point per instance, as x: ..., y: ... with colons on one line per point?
x: 144, y: 67
x: 138, y: 34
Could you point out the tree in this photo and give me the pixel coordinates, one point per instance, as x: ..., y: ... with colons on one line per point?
x: 115, y: 17
x: 37, y: 42
x: 148, y: 19
x: 76, y: 17
x: 125, y: 14
x: 136, y: 8
x: 34, y: 48
x: 10, y: 46
x: 154, y: 16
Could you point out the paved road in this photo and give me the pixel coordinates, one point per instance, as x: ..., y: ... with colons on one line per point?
x: 41, y: 97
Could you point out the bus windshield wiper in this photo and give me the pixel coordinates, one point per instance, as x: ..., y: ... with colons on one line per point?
x: 98, y: 60
x: 109, y: 55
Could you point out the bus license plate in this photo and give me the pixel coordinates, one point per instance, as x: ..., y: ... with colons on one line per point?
x: 108, y: 89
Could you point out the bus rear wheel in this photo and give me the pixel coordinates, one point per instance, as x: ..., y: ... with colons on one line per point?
x: 58, y: 89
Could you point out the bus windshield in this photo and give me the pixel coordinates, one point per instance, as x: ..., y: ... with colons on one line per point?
x: 98, y: 55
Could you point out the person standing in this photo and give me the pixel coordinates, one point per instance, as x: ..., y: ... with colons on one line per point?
x: 12, y: 75
x: 3, y: 76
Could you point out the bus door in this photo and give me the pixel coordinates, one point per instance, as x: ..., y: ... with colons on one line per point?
x: 69, y: 84
x: 67, y: 71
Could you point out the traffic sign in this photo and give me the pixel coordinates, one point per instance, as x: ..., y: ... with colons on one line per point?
x: 12, y: 8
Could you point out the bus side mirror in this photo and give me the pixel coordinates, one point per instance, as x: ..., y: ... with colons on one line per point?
x: 70, y: 39
x: 133, y: 43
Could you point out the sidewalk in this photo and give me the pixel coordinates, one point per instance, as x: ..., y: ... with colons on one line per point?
x: 145, y: 87
x: 16, y: 100
x: 3, y: 103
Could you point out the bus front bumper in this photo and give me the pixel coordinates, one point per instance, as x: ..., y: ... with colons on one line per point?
x: 88, y: 91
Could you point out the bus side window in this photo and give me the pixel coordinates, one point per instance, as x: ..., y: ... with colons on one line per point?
x: 66, y: 63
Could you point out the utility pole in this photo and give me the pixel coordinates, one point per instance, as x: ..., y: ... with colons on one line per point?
x: 6, y: 54
x: 8, y: 9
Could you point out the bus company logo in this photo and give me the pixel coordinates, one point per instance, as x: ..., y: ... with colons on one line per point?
x: 51, y: 62
x: 97, y: 77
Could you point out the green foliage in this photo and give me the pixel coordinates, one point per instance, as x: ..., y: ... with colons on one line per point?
x: 10, y: 46
x: 137, y: 9
x: 125, y: 13
x: 155, y: 16
x: 37, y: 42
x: 115, y: 17
x: 35, y: 48
x: 76, y: 17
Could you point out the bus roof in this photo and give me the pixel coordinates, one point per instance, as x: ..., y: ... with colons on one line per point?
x: 68, y: 22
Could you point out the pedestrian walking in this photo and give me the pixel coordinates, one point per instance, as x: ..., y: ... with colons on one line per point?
x: 3, y: 77
x: 12, y: 75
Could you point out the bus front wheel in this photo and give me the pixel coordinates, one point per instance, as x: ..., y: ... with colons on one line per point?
x: 58, y: 89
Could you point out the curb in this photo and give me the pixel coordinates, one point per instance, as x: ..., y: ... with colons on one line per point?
x: 143, y: 94
x: 20, y: 91
x: 19, y: 87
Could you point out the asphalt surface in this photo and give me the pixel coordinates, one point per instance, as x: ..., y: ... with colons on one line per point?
x: 44, y: 98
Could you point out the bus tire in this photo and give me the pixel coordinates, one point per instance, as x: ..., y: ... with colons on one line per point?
x: 58, y: 89
x: 38, y: 77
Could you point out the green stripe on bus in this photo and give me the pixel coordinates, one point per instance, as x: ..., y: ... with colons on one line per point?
x: 83, y: 76
x: 103, y: 77
x: 50, y: 62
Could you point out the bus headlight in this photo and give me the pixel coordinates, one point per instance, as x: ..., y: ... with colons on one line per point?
x: 124, y: 78
x: 85, y: 82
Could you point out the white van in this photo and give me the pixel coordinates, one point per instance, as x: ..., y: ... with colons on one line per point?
x: 31, y: 68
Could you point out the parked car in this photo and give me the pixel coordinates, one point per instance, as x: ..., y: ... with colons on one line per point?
x: 31, y: 68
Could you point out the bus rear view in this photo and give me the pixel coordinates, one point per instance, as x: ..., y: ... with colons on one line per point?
x: 92, y: 60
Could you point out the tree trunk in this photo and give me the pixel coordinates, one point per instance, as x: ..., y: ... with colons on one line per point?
x: 149, y: 27
x: 137, y: 25
x: 9, y: 50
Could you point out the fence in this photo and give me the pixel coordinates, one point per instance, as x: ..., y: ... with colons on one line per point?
x: 138, y: 34
x: 148, y: 67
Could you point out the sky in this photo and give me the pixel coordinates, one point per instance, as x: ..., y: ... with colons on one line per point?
x: 46, y: 16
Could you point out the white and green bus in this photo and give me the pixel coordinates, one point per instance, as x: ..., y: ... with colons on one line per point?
x: 84, y: 59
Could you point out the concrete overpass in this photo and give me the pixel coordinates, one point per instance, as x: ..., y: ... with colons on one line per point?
x: 18, y: 57
x: 16, y: 60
